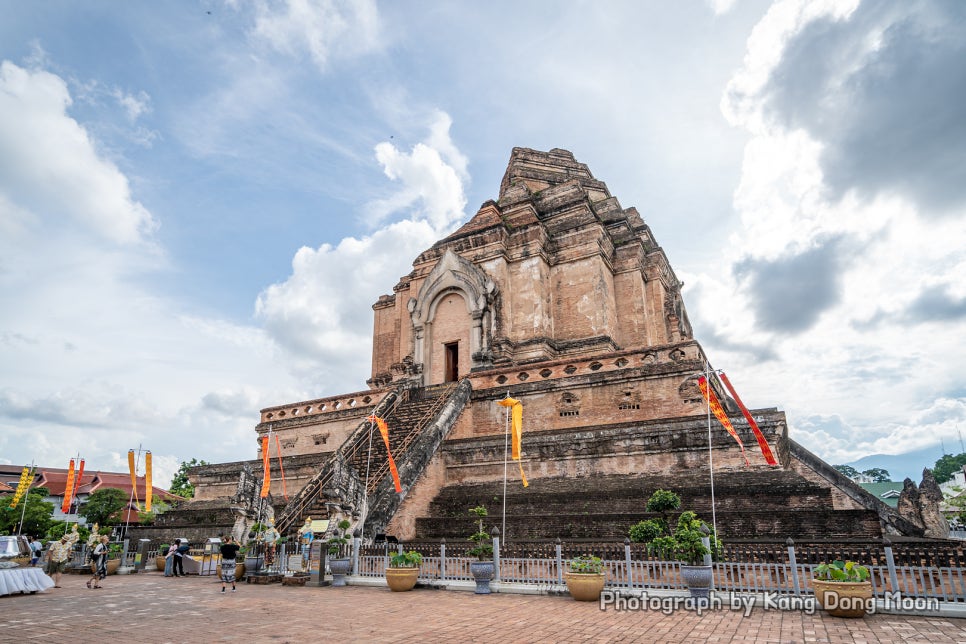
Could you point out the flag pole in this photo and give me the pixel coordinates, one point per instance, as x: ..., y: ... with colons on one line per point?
x: 365, y: 491
x: 506, y: 444
x: 714, y: 518
x: 134, y: 487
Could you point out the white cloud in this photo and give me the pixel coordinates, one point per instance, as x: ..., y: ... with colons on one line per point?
x: 44, y: 148
x: 325, y: 30
x: 94, y: 358
x: 322, y: 313
x: 870, y: 373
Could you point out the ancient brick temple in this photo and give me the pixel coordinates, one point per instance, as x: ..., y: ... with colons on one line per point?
x: 555, y: 295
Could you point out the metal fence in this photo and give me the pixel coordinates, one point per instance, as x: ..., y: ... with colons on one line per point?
x: 631, y: 567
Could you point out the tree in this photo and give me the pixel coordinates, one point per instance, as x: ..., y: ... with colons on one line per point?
x: 180, y: 484
x: 947, y: 466
x: 36, y: 516
x: 104, y: 506
x: 878, y: 475
x: 847, y: 470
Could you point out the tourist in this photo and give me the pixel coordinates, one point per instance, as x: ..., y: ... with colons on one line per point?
x: 99, y: 562
x: 57, y: 556
x: 35, y: 549
x: 229, y: 550
x: 178, y: 566
x: 169, y: 560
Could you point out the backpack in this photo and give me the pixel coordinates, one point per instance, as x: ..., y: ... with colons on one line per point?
x: 92, y: 557
x: 183, y: 549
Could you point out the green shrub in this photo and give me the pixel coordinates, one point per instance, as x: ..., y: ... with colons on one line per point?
x: 409, y: 559
x: 587, y: 565
x: 648, y: 530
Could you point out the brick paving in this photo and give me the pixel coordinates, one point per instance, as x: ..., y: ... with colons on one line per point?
x: 148, y: 607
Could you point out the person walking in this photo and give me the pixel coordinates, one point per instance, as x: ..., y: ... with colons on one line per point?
x: 35, y: 549
x: 99, y: 563
x: 229, y: 550
x: 178, y: 567
x: 57, y: 556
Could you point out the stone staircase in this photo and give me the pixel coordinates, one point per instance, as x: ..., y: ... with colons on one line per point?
x: 356, y: 479
x: 757, y: 503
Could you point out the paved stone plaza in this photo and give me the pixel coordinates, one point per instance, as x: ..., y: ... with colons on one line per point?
x: 150, y: 608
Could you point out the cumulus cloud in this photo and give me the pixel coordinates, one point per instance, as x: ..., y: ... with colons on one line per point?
x: 322, y: 313
x: 95, y: 359
x: 44, y: 147
x: 339, y: 28
x: 791, y: 292
x: 881, y: 87
x: 852, y: 230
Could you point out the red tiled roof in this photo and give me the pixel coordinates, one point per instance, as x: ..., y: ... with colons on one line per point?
x: 55, y: 480
x: 5, y: 488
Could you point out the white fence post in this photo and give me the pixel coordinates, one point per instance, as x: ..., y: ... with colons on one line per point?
x: 791, y: 561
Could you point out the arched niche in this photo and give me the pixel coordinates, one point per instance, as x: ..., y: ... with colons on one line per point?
x: 452, y: 275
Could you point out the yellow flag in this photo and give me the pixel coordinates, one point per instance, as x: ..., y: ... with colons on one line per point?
x: 516, y: 432
x: 134, y: 475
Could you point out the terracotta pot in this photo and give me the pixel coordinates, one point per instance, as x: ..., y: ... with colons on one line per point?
x: 843, y: 598
x: 401, y: 579
x: 159, y: 562
x: 584, y: 586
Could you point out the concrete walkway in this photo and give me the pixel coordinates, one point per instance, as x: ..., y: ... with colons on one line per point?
x: 148, y: 607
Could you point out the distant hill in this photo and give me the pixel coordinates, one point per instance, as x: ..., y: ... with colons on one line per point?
x: 902, y: 466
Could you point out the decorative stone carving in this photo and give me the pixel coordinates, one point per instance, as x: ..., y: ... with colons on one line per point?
x: 909, y: 505
x: 930, y: 497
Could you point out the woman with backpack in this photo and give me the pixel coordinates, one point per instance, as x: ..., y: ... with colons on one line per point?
x: 99, y: 562
x: 179, y: 553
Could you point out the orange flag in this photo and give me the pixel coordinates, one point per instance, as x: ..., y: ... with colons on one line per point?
x: 516, y: 432
x: 267, y: 465
x: 69, y: 490
x: 720, y: 414
x: 134, y: 474
x: 148, y: 483
x: 762, y: 443
x: 384, y: 430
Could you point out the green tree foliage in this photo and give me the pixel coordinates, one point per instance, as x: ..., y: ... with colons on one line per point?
x: 104, y: 506
x: 36, y: 516
x: 648, y: 530
x: 878, y: 475
x: 947, y: 466
x: 663, y: 501
x: 57, y: 529
x: 847, y: 470
x: 180, y: 484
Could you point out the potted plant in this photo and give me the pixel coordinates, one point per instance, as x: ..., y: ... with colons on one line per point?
x: 483, y: 569
x: 843, y: 588
x: 586, y: 578
x: 160, y: 559
x: 403, y: 570
x: 686, y: 546
x: 337, y: 564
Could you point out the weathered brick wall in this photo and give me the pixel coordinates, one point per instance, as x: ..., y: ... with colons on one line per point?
x: 586, y: 396
x: 584, y: 303
x: 527, y: 303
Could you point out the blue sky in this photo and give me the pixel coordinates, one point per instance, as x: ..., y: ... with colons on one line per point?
x: 199, y: 201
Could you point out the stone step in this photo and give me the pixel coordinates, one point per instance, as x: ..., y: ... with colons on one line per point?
x: 816, y: 524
